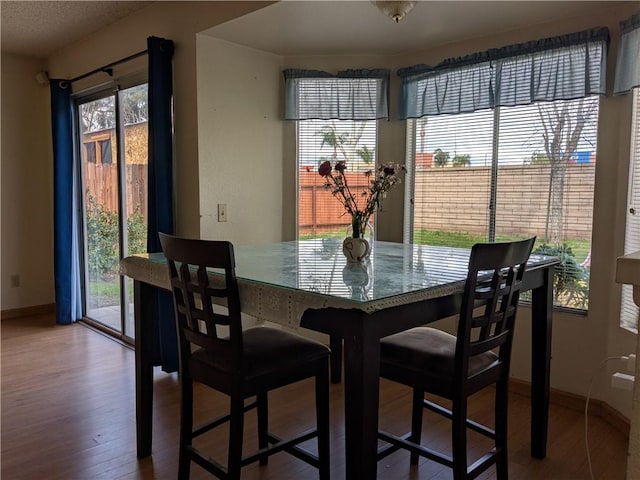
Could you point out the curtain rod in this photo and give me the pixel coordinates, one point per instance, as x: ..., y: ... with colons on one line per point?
x: 107, y: 68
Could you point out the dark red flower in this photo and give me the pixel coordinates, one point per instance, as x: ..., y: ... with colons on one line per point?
x: 340, y: 167
x: 325, y: 168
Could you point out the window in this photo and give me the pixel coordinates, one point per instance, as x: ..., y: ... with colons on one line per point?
x: 319, y: 214
x: 462, y: 195
x: 336, y: 121
x: 503, y: 146
x: 630, y: 314
x: 105, y: 151
x: 90, y: 152
x: 115, y: 200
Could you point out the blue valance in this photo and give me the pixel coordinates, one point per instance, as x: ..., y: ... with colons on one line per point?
x: 348, y: 95
x: 628, y: 61
x: 559, y: 68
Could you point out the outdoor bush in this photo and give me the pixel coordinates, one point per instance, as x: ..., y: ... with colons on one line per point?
x: 102, y: 238
x: 570, y: 282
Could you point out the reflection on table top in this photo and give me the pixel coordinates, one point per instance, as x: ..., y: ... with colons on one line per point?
x: 318, y: 266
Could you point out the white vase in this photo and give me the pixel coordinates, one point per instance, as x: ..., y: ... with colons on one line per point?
x: 355, y: 275
x: 356, y: 249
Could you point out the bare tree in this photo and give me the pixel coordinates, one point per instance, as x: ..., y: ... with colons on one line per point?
x: 100, y: 114
x: 563, y: 125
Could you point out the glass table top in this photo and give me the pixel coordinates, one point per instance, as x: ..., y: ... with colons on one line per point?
x: 318, y: 266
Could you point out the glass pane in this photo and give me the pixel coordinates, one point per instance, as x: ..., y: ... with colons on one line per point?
x: 452, y: 179
x: 97, y: 124
x: 354, y: 142
x: 133, y: 105
x: 545, y: 186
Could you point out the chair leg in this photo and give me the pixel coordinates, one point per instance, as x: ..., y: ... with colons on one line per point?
x: 186, y: 427
x: 322, y: 421
x: 459, y: 438
x: 236, y: 429
x: 263, y: 424
x: 416, y: 421
x: 501, y: 416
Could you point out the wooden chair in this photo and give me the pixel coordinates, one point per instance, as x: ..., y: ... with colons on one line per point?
x: 240, y: 364
x: 455, y: 367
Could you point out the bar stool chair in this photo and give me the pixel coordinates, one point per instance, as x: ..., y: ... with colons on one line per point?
x: 242, y: 364
x: 455, y: 367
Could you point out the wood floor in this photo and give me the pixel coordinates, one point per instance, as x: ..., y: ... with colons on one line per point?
x: 68, y: 413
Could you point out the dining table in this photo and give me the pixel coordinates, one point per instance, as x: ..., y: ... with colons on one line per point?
x: 309, y: 284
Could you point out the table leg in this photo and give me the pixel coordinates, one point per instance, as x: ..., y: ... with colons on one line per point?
x: 542, y: 308
x: 335, y: 343
x: 361, y: 398
x: 144, y: 343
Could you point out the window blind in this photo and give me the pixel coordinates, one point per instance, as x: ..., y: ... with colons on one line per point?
x: 509, y: 173
x: 504, y: 147
x: 630, y: 313
x: 336, y: 122
x: 348, y: 95
x: 354, y: 142
x: 628, y: 60
x: 447, y: 191
x: 558, y: 68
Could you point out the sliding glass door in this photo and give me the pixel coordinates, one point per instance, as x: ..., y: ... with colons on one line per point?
x: 113, y: 151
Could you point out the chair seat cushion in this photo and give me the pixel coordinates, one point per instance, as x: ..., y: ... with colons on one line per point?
x: 429, y: 355
x: 267, y: 350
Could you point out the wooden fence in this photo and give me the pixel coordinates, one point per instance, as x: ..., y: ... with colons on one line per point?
x: 318, y: 210
x: 101, y: 183
x: 457, y: 199
x: 101, y: 176
x: 450, y: 199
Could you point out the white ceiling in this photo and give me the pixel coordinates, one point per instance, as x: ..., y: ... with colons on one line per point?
x: 359, y: 28
x: 39, y: 28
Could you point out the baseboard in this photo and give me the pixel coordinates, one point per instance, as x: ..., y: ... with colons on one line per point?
x: 577, y: 402
x: 28, y: 311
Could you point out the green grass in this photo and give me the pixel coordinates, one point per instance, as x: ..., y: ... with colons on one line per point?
x: 104, y: 292
x: 337, y: 234
x: 580, y: 248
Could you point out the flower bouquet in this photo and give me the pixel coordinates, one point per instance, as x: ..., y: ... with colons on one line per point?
x: 362, y: 205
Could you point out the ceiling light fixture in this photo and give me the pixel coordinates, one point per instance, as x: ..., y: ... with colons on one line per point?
x: 395, y: 10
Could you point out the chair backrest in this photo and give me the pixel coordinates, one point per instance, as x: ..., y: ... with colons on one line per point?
x: 198, y: 294
x: 488, y: 312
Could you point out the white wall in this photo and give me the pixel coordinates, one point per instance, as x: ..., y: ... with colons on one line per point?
x: 27, y: 193
x: 239, y: 142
